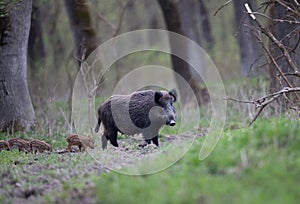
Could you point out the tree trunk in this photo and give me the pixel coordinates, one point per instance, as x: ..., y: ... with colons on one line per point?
x: 83, y: 30
x: 174, y: 24
x: 36, y: 50
x: 188, y: 19
x: 247, y: 42
x: 56, y: 39
x: 206, y: 30
x: 16, y: 108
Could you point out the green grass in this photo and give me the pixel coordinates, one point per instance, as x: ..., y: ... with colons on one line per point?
x: 270, y: 174
x: 260, y: 164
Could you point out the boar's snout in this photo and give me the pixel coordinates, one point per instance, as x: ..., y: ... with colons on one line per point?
x: 170, y: 116
x: 171, y: 120
x: 172, y: 123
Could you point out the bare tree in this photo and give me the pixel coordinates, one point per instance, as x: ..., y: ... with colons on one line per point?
x: 189, y: 19
x: 82, y: 27
x: 249, y: 49
x: 16, y: 108
x: 174, y: 23
x: 282, y: 52
x: 205, y: 24
x: 36, y: 48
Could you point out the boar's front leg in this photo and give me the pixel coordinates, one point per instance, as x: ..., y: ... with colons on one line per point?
x: 155, y: 140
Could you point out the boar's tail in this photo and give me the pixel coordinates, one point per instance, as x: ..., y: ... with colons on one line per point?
x: 98, y: 124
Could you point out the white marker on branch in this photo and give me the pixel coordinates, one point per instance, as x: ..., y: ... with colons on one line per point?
x: 249, y: 11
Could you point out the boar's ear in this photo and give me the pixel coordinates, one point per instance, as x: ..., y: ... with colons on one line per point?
x: 157, y: 96
x: 173, y: 93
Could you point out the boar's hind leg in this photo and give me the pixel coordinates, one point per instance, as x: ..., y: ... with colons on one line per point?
x: 113, y: 138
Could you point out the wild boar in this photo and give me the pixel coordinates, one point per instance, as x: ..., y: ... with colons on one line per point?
x: 4, y: 145
x: 140, y: 112
x: 39, y: 146
x: 81, y: 141
x: 20, y: 144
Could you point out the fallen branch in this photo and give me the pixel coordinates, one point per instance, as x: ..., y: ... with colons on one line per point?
x: 262, y: 102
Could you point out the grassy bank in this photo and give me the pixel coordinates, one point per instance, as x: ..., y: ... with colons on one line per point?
x: 256, y: 165
x: 260, y: 164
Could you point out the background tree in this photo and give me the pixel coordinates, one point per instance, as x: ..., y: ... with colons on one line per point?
x: 281, y: 53
x: 16, y: 108
x: 189, y: 19
x: 248, y: 46
x: 36, y: 48
x: 174, y: 22
x: 205, y: 24
x: 82, y: 27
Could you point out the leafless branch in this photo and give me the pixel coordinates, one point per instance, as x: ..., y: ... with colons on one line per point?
x: 238, y: 100
x: 296, y: 74
x: 293, y: 14
x: 273, y: 61
x: 279, y: 44
x: 226, y: 4
x: 121, y: 18
x: 116, y: 28
x: 105, y: 20
x: 257, y: 114
x: 276, y: 20
x: 288, y: 7
x: 296, y: 2
x: 262, y: 102
x: 282, y: 55
x: 282, y: 91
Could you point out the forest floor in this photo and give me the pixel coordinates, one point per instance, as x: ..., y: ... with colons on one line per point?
x: 260, y: 164
x: 35, y: 178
